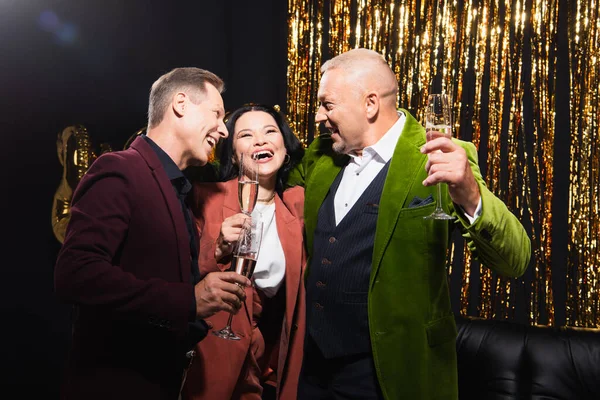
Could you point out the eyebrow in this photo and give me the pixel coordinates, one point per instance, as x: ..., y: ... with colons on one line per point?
x: 264, y: 127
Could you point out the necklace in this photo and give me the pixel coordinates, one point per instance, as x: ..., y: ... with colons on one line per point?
x: 267, y: 200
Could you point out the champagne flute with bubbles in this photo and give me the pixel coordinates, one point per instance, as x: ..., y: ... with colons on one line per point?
x: 248, y: 183
x: 438, y: 124
x: 244, y: 261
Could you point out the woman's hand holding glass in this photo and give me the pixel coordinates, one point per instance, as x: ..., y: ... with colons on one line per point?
x: 230, y: 231
x: 246, y: 254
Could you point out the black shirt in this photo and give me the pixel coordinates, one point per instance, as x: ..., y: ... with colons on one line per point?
x: 182, y: 186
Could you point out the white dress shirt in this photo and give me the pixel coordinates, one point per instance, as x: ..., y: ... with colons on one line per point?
x: 270, y: 265
x: 361, y: 170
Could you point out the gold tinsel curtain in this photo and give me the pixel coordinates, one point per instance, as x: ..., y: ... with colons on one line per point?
x: 524, y: 77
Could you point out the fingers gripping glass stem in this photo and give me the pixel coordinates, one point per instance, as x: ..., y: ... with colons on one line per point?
x: 244, y: 261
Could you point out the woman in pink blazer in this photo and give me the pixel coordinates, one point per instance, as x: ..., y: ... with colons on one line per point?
x: 271, y: 325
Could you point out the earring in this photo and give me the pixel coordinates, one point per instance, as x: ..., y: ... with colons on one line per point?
x: 286, y: 159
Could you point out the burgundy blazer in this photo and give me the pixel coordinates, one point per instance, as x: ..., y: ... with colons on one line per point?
x: 233, y: 369
x: 125, y: 264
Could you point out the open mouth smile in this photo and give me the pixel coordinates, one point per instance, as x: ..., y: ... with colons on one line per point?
x: 262, y: 155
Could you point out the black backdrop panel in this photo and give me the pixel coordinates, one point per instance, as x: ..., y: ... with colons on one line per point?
x: 92, y: 62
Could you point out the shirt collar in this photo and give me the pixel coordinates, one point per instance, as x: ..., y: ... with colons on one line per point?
x: 174, y: 174
x: 385, y: 146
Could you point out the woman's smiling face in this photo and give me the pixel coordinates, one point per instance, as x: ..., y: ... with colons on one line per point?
x: 257, y: 133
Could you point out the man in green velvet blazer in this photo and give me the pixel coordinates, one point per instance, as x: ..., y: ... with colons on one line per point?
x: 411, y: 328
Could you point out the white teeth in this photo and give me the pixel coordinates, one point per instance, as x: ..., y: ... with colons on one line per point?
x: 261, y: 153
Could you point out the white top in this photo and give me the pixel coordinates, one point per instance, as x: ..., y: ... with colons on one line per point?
x: 270, y: 265
x: 361, y: 170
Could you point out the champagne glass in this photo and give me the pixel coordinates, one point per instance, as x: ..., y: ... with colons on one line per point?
x: 248, y: 183
x: 244, y: 261
x: 438, y: 124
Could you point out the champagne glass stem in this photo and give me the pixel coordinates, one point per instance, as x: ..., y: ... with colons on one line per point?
x: 229, y: 321
x: 438, y: 202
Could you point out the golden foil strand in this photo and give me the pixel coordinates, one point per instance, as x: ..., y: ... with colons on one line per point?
x: 485, y: 39
x: 583, y: 261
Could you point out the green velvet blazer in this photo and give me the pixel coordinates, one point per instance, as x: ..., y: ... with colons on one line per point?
x: 412, y: 328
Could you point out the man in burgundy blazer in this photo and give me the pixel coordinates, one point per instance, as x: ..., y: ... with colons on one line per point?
x: 126, y: 262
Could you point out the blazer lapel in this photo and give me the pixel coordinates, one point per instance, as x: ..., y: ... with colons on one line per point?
x: 288, y: 228
x: 173, y: 205
x: 317, y: 187
x: 230, y: 202
x: 405, y: 166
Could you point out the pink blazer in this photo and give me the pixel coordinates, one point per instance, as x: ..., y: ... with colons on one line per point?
x: 272, y: 354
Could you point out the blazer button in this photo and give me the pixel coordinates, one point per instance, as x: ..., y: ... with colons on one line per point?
x: 332, y: 240
x: 294, y: 327
x: 325, y: 261
x: 320, y: 284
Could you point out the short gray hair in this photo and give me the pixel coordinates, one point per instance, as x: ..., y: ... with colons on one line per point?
x: 190, y: 79
x: 362, y: 62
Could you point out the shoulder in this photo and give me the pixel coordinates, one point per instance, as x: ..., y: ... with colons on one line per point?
x: 293, y: 199
x: 119, y: 164
x: 321, y: 147
x: 114, y: 159
x: 293, y: 195
x: 208, y: 195
x: 209, y: 189
x: 117, y: 173
x: 469, y: 148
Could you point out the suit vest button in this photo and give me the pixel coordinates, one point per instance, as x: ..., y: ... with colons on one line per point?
x: 332, y: 240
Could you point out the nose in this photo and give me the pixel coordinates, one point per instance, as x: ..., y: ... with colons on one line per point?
x: 320, y: 116
x: 259, y: 139
x: 223, y: 130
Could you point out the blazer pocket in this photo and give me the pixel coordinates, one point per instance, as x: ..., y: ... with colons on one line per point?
x: 418, y: 211
x: 441, y: 331
x: 419, y: 202
x: 371, y: 208
x: 355, y: 297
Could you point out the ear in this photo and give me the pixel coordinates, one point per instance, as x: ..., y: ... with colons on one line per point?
x: 179, y: 104
x: 372, y: 104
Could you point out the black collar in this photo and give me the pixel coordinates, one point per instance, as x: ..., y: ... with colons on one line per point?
x: 175, y: 175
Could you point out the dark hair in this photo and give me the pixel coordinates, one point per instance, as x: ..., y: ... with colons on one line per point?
x: 293, y: 146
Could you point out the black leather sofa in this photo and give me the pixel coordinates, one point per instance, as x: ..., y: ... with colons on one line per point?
x: 500, y: 360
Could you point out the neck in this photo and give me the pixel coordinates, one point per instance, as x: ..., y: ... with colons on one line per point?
x: 266, y: 200
x: 266, y: 189
x: 377, y: 130
x: 167, y: 141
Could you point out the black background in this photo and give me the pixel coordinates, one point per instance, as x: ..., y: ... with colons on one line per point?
x: 93, y: 64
